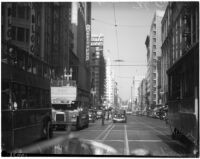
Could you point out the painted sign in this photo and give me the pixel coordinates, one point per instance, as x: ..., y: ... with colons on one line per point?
x: 32, y: 30
x: 88, y: 34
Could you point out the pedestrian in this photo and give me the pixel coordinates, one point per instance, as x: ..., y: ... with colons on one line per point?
x: 102, y: 117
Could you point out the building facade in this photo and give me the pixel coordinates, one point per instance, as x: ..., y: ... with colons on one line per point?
x: 180, y: 34
x: 142, y: 95
x: 147, y: 43
x: 109, y: 92
x: 136, y: 84
x: 116, y: 95
x: 97, y: 63
x: 83, y: 68
x: 153, y: 44
x: 23, y: 27
x: 45, y: 31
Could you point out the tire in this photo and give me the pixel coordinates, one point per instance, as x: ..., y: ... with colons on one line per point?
x: 87, y: 125
x: 47, y: 131
x: 78, y: 124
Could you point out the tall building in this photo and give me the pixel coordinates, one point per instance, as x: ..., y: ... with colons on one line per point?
x: 61, y: 38
x: 147, y: 43
x: 97, y: 63
x: 180, y: 35
x: 136, y: 83
x: 83, y: 69
x: 142, y: 95
x: 116, y: 95
x: 153, y: 54
x: 109, y: 91
x: 23, y: 26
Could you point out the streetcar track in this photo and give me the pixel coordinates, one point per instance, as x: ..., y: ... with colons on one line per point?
x: 163, y: 134
x: 126, y: 147
x: 108, y: 132
x: 104, y: 131
x: 152, y: 127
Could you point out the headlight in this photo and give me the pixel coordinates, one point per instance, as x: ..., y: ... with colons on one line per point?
x: 122, y: 116
x: 74, y: 116
x: 115, y: 115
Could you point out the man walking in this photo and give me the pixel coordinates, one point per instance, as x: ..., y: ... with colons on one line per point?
x: 103, y: 117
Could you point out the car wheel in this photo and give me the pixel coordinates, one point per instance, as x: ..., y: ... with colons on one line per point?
x: 78, y: 124
x: 47, y: 131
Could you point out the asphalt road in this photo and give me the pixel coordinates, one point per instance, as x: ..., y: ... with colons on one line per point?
x: 139, y: 132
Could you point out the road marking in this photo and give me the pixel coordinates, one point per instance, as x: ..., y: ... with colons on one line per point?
x: 171, y: 141
x: 126, y: 148
x: 105, y: 140
x: 108, y: 132
x: 91, y: 130
x: 160, y: 132
x: 104, y: 131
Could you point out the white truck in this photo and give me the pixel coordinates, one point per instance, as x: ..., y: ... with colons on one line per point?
x: 66, y: 110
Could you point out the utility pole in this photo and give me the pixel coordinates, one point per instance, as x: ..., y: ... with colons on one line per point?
x: 131, y: 99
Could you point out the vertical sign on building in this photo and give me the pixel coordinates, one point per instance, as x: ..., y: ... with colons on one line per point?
x: 9, y: 22
x: 32, y: 30
x: 88, y: 32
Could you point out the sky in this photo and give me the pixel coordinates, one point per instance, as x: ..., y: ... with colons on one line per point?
x: 126, y: 40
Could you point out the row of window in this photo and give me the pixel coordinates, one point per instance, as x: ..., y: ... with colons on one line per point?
x: 21, y: 11
x: 181, y: 85
x: 20, y: 34
x: 18, y: 96
x: 22, y: 60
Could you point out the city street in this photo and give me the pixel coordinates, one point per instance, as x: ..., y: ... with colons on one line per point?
x: 139, y: 132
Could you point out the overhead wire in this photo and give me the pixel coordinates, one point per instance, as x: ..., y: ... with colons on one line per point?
x: 116, y: 33
x: 119, y: 25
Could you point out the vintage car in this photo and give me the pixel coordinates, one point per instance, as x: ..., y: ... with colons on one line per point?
x: 99, y: 114
x: 92, y: 115
x: 119, y: 116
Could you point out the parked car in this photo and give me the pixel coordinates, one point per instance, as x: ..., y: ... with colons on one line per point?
x: 119, y: 116
x: 128, y: 112
x: 99, y: 114
x: 92, y: 115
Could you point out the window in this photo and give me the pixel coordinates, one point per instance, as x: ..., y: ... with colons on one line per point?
x: 24, y: 97
x: 21, y: 11
x: 40, y: 69
x: 154, y: 82
x: 14, y: 9
x: 194, y: 27
x: 27, y: 35
x: 16, y: 98
x: 34, y: 64
x: 154, y: 75
x: 14, y: 33
x: 28, y: 12
x: 29, y: 66
x: 154, y: 54
x: 20, y: 34
x: 21, y: 59
x: 5, y: 95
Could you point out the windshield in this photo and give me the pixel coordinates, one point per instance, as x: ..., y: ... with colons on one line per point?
x: 123, y: 74
x: 65, y: 106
